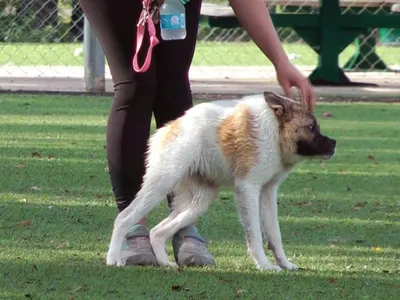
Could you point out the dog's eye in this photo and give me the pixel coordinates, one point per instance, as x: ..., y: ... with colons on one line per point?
x: 312, y: 127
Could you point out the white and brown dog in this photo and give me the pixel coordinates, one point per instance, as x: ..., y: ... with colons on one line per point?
x: 250, y: 144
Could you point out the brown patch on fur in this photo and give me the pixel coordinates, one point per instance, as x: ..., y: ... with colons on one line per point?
x: 172, y: 130
x: 294, y: 121
x: 236, y: 138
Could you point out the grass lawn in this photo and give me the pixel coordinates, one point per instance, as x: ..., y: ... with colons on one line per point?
x: 340, y: 220
x: 207, y: 54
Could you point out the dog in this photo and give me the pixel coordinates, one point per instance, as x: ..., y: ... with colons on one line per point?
x: 250, y: 144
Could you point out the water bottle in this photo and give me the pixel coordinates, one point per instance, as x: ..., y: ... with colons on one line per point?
x: 173, y: 20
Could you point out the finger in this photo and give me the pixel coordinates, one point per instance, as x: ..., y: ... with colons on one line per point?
x: 309, y: 95
x: 313, y: 99
x: 286, y: 89
x: 304, y: 93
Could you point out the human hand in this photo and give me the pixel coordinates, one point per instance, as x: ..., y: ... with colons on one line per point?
x: 288, y: 76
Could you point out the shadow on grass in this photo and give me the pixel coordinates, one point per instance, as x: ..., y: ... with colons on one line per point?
x: 88, y: 227
x: 42, y: 105
x: 39, y: 279
x: 80, y: 167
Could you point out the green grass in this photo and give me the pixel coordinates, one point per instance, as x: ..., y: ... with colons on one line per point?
x: 57, y: 212
x: 207, y: 54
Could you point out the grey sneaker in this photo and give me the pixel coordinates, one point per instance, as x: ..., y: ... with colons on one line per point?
x: 190, y: 248
x: 137, y: 248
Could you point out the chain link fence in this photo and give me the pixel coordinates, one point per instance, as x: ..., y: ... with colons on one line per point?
x: 44, y: 38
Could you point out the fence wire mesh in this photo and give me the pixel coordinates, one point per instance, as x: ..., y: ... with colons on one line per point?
x: 45, y: 38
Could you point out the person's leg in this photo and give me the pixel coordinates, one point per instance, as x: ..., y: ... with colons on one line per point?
x: 114, y: 22
x: 173, y: 99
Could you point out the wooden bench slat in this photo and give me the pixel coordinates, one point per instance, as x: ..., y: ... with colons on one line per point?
x: 345, y: 3
x: 220, y: 10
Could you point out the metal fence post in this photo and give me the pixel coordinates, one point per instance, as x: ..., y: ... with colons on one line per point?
x: 94, y: 73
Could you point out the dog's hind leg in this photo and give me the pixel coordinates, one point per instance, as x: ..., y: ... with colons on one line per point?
x: 248, y: 201
x: 156, y: 185
x: 270, y: 224
x: 191, y: 199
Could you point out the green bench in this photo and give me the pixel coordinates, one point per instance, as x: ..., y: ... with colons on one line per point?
x: 328, y: 27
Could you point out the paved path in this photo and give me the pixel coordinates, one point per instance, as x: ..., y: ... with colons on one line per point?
x: 216, y: 80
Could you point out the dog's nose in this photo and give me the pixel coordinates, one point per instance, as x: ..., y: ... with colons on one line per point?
x: 333, y: 142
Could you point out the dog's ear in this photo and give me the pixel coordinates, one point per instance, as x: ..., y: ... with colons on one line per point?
x: 281, y: 106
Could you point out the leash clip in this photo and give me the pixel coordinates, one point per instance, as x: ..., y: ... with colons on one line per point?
x: 144, y: 15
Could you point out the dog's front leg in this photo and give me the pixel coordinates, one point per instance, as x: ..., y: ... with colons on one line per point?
x: 270, y: 224
x: 248, y: 196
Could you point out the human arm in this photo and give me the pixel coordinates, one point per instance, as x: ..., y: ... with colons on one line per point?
x: 256, y: 20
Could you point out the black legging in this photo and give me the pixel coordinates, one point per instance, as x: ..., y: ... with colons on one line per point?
x: 163, y: 90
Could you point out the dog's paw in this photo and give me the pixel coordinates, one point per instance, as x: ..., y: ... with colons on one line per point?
x: 269, y: 267
x: 170, y: 264
x: 114, y: 260
x: 287, y: 265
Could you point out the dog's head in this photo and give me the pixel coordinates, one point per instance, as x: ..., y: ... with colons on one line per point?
x: 299, y: 132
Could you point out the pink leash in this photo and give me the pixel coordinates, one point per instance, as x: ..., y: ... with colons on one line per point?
x: 145, y: 17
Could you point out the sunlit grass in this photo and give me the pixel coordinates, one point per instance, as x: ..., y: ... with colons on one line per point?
x: 340, y: 220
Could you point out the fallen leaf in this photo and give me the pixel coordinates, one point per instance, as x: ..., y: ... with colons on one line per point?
x: 224, y: 199
x: 20, y: 166
x: 51, y: 156
x: 371, y: 157
x: 239, y: 292
x: 63, y: 245
x: 77, y: 289
x: 376, y: 249
x: 36, y: 154
x: 349, y: 267
x: 225, y: 279
x: 25, y: 223
x: 179, y: 288
x: 327, y: 115
x: 359, y: 205
x: 338, y: 239
x: 303, y: 203
x: 332, y: 280
x: 35, y: 188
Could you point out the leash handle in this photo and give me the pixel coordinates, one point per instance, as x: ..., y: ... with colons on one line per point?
x: 146, y: 18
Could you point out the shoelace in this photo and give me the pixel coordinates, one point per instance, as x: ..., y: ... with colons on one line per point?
x: 146, y: 18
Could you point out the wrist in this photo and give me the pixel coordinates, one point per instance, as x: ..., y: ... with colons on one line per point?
x: 279, y: 61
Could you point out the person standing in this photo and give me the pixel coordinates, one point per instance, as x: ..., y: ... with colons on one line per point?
x: 164, y: 90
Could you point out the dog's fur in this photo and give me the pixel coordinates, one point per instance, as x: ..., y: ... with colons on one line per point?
x: 251, y: 144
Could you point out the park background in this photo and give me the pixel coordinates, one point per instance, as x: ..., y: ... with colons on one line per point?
x: 339, y: 219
